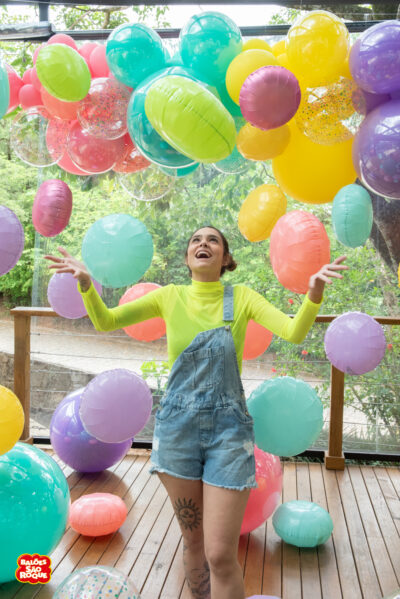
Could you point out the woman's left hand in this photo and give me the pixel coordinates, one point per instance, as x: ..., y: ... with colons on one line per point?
x: 324, y: 275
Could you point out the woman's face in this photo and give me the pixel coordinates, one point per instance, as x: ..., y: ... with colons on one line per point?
x: 205, y: 255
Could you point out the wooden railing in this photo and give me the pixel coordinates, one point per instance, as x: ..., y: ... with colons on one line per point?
x: 334, y: 458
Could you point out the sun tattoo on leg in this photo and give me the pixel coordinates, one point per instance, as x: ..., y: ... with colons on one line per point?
x: 187, y: 512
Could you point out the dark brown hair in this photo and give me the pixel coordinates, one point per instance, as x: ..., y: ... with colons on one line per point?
x: 232, y: 265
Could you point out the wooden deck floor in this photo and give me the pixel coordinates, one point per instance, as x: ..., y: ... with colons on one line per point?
x: 361, y: 560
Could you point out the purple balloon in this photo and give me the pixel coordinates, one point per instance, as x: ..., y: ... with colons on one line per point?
x: 64, y: 297
x: 355, y: 343
x: 75, y: 446
x: 11, y: 239
x: 116, y: 405
x: 376, y: 150
x: 375, y: 58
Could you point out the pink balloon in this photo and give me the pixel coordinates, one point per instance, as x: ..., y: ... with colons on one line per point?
x: 52, y: 207
x: 35, y: 80
x: 93, y: 154
x: 57, y: 108
x: 269, y: 97
x: 148, y: 330
x: 98, y: 62
x: 86, y: 49
x: 263, y: 500
x: 132, y: 160
x: 29, y: 96
x: 26, y: 77
x: 36, y: 52
x: 63, y: 38
x: 257, y: 339
x: 68, y: 166
x: 56, y: 137
x: 15, y: 83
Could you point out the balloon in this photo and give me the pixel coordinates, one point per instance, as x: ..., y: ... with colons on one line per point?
x: 150, y: 329
x: 375, y: 58
x: 134, y: 51
x: 93, y: 154
x: 299, y: 248
x: 115, y: 405
x: 317, y: 45
x: 97, y: 514
x: 29, y: 96
x: 147, y: 185
x: 227, y: 101
x: 269, y: 97
x: 11, y: 419
x: 27, y: 76
x: 36, y: 52
x: 87, y: 48
x: 364, y: 102
x: 117, y: 250
x: 313, y: 173
x: 35, y: 81
x: 56, y: 140
x: 279, y: 47
x: 131, y: 161
x: 26, y: 137
x: 15, y: 83
x: 302, y: 523
x: 63, y: 38
x: 64, y: 296
x: 355, y: 343
x: 208, y: 43
x: 264, y: 499
x: 75, y: 446
x: 260, y: 212
x: 256, y: 44
x: 63, y: 72
x: 190, y: 118
x: 103, y: 112
x: 255, y: 144
x: 242, y: 66
x: 98, y: 62
x: 352, y: 215
x: 96, y: 582
x: 4, y: 90
x: 376, y: 150
x: 52, y: 207
x: 11, y: 239
x: 34, y: 501
x: 288, y: 415
x: 57, y: 108
x: 256, y: 341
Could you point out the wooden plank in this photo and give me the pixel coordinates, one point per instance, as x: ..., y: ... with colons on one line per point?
x: 394, y: 474
x: 272, y: 574
x: 253, y: 574
x: 389, y: 492
x: 174, y: 582
x: 291, y: 577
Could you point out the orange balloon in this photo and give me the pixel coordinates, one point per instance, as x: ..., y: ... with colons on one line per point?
x: 257, y: 339
x: 148, y: 330
x: 256, y: 144
x: 260, y: 211
x: 66, y: 111
x: 97, y: 514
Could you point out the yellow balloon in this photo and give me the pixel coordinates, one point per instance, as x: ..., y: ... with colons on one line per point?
x: 242, y: 65
x: 260, y: 212
x: 256, y: 44
x: 11, y: 419
x: 313, y: 173
x: 255, y: 144
x: 278, y: 48
x: 317, y: 46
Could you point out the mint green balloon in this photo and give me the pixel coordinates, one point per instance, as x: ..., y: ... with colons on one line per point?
x: 63, y: 72
x: 4, y: 90
x: 352, y: 215
x: 117, y: 250
x: 34, y: 503
x: 302, y: 523
x: 287, y: 415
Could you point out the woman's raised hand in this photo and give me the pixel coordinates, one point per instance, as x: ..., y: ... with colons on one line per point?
x: 70, y: 264
x: 324, y: 275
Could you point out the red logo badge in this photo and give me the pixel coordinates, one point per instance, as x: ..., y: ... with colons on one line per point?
x: 33, y: 568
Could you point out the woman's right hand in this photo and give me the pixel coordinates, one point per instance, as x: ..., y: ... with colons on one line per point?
x: 70, y: 264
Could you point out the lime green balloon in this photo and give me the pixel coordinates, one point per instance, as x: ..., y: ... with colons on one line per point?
x: 63, y: 72
x: 352, y: 215
x: 191, y: 119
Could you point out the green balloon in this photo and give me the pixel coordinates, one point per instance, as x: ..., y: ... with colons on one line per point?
x: 63, y: 72
x: 302, y: 523
x: 352, y: 215
x: 4, y: 90
x: 191, y: 119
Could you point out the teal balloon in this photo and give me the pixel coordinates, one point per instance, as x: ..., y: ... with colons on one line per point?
x: 227, y: 101
x: 302, y: 523
x: 34, y: 503
x: 4, y: 90
x: 134, y: 52
x: 180, y: 172
x: 288, y: 415
x: 352, y: 215
x: 117, y: 250
x: 208, y: 44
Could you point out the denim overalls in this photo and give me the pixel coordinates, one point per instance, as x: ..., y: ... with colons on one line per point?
x: 203, y: 430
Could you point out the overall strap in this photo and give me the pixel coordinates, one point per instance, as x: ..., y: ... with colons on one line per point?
x: 228, y: 304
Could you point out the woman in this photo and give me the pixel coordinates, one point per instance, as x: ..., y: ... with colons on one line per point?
x: 203, y: 445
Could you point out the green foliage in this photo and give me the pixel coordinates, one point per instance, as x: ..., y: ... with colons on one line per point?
x: 158, y: 371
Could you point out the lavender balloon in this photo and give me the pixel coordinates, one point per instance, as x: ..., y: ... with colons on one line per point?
x: 355, y: 343
x: 75, y: 446
x: 11, y: 239
x: 64, y: 296
x: 375, y: 58
x: 376, y: 150
x: 116, y: 405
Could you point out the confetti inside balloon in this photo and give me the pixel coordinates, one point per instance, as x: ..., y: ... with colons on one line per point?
x: 132, y: 160
x: 93, y: 154
x: 96, y: 582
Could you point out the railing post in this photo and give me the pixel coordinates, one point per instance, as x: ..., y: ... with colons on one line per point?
x: 334, y: 458
x: 22, y: 368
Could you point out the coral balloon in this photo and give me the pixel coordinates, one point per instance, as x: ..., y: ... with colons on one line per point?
x: 27, y: 76
x: 299, y: 248
x: 56, y: 141
x: 11, y: 239
x: 15, y: 83
x: 63, y: 38
x: 63, y: 72
x: 313, y: 173
x: 52, y: 207
x: 132, y: 160
x: 255, y: 144
x: 87, y: 48
x: 35, y: 80
x: 260, y: 212
x: 57, y: 108
x: 256, y: 341
x: 352, y: 215
x: 148, y: 330
x: 11, y: 419
x: 97, y: 514
x: 93, y: 154
x: 98, y: 62
x: 29, y: 96
x: 242, y: 66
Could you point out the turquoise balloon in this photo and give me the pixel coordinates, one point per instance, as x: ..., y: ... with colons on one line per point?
x: 117, y: 250
x: 302, y: 523
x: 352, y: 215
x: 134, y: 52
x: 34, y: 503
x: 287, y: 415
x: 4, y: 90
x: 180, y: 172
x: 208, y: 44
x: 227, y: 101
